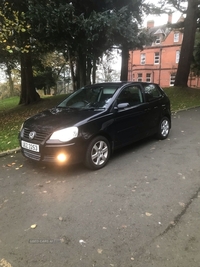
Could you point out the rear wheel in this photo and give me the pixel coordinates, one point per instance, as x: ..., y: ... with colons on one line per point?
x: 98, y: 153
x: 164, y: 128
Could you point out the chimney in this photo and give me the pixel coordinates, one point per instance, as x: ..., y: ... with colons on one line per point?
x: 150, y: 23
x: 170, y: 17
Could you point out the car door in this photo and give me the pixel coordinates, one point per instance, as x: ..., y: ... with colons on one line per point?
x: 129, y: 118
x: 153, y: 106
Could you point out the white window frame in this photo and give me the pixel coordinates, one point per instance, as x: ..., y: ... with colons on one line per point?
x: 177, y: 56
x: 139, y: 77
x: 176, y: 37
x: 172, y: 79
x: 148, y: 77
x: 156, y: 57
x: 142, y: 58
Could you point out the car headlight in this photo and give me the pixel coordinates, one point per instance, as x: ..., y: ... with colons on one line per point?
x: 65, y: 135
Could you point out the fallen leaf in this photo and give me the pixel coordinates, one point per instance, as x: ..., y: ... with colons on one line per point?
x: 181, y: 204
x: 60, y: 219
x: 33, y: 226
x: 99, y: 250
x: 148, y: 214
x: 132, y: 259
x: 82, y: 242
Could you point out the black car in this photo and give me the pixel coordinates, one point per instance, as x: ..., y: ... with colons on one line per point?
x: 94, y: 121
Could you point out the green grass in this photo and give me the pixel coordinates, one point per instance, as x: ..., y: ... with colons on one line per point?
x: 183, y: 98
x: 8, y: 103
x: 12, y: 115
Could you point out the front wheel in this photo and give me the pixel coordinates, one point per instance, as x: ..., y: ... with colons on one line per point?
x: 98, y: 153
x: 164, y: 128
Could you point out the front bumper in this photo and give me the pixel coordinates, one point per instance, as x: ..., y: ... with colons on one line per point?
x: 74, y: 152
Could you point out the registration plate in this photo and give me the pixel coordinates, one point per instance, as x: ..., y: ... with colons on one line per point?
x: 30, y: 146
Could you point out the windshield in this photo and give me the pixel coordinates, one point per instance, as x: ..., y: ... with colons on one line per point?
x: 91, y: 97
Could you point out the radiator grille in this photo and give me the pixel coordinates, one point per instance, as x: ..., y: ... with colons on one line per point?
x: 39, y: 137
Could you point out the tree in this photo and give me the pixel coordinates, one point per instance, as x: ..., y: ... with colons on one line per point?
x: 105, y: 71
x: 195, y: 67
x: 10, y: 62
x: 87, y: 29
x: 15, y: 36
x: 190, y: 26
x: 83, y: 29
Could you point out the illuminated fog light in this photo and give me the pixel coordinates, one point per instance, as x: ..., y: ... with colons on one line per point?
x: 62, y: 157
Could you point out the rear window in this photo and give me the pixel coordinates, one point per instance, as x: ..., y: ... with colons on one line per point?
x: 152, y: 92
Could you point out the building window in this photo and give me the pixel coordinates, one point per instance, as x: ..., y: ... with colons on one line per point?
x: 176, y: 37
x: 157, y: 41
x: 172, y: 79
x: 139, y: 77
x: 148, y: 77
x: 156, y: 58
x: 177, y: 56
x: 142, y: 59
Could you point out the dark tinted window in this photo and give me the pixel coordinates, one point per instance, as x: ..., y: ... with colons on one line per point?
x: 131, y: 95
x: 152, y: 92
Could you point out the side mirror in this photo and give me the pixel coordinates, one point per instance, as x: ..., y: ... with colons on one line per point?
x: 122, y: 105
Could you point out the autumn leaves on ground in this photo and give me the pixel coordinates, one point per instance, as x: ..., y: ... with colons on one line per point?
x: 12, y: 115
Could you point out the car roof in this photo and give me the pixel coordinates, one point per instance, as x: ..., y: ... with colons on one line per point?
x: 120, y: 83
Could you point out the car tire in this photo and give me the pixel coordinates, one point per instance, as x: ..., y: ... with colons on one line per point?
x: 164, y: 128
x: 98, y: 153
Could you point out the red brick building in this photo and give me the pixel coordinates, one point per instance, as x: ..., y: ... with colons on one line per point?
x: 158, y: 62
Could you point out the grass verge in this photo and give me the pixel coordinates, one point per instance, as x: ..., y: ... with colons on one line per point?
x: 12, y: 115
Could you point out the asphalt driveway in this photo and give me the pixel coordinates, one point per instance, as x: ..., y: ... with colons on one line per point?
x: 141, y: 210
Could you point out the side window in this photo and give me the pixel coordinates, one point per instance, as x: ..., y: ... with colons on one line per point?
x: 152, y: 92
x: 131, y: 95
x: 176, y: 37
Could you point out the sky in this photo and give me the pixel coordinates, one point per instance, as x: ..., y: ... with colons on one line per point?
x: 163, y: 19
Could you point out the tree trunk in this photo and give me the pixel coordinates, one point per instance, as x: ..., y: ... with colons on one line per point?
x: 28, y: 92
x: 124, y: 64
x: 11, y: 84
x: 82, y: 69
x: 88, y: 72
x: 187, y: 47
x: 72, y: 71
x: 94, y: 69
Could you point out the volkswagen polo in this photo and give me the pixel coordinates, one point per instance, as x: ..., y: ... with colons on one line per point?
x: 94, y: 121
